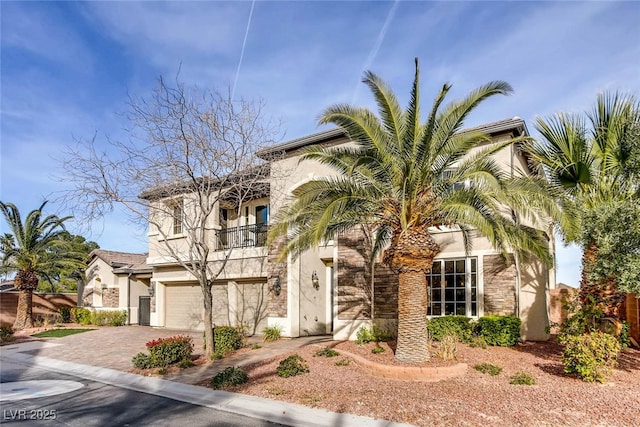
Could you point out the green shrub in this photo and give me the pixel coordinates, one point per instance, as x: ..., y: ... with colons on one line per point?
x: 142, y: 361
x: 292, y: 366
x: 522, y: 378
x: 343, y: 362
x: 109, y: 317
x: 377, y: 350
x: 186, y: 363
x: 477, y: 341
x: 448, y: 347
x: 488, y: 368
x: 624, y: 337
x: 373, y: 334
x: 65, y: 314
x: 226, y: 339
x: 229, y: 377
x: 460, y: 326
x: 590, y: 356
x: 327, y: 352
x: 81, y: 315
x: 6, y: 334
x: 502, y: 331
x: 272, y: 333
x: 166, y: 351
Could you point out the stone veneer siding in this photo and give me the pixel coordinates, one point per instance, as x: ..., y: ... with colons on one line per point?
x: 277, y: 306
x: 111, y: 297
x: 354, y: 276
x: 499, y: 286
x: 386, y: 293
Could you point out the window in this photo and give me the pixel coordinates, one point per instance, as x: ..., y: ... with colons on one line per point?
x: 452, y: 287
x: 448, y: 174
x: 178, y: 216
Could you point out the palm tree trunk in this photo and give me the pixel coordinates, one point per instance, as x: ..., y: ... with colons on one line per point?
x: 412, y: 318
x: 603, y: 292
x: 24, y: 312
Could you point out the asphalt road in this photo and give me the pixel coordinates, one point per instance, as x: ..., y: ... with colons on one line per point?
x: 98, y: 404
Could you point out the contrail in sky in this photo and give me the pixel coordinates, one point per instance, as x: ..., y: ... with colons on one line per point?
x: 376, y: 46
x: 244, y: 43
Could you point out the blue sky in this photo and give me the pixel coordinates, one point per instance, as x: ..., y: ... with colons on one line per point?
x: 67, y: 67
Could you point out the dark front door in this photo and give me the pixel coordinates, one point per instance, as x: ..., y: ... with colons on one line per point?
x: 144, y: 311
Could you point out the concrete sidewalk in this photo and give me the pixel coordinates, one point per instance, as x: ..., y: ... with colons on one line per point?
x: 266, y: 409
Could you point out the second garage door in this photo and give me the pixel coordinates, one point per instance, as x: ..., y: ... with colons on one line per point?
x: 183, y: 309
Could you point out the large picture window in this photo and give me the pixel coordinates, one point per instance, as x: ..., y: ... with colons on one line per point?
x: 452, y: 287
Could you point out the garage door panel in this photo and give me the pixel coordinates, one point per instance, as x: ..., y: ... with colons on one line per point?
x: 252, y: 310
x: 184, y: 308
x: 220, y: 305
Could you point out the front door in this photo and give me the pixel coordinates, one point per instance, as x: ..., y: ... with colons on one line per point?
x: 144, y: 311
x: 313, y: 296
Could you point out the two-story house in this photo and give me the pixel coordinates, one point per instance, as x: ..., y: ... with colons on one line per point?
x: 333, y: 289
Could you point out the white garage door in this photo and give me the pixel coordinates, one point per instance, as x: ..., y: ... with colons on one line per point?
x: 183, y: 307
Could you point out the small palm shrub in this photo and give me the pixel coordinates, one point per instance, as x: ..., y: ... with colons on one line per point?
x: 292, y: 366
x: 522, y: 378
x: 502, y: 331
x: 590, y: 356
x: 459, y: 326
x: 272, y: 333
x: 326, y: 352
x: 448, y: 347
x: 488, y: 368
x: 229, y: 377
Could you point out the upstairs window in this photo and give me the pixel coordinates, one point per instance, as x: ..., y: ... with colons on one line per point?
x: 178, y: 216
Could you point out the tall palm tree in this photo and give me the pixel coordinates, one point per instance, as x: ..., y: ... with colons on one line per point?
x: 400, y: 180
x: 27, y: 251
x: 586, y: 159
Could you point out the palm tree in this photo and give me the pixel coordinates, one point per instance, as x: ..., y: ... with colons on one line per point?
x: 587, y: 160
x: 400, y: 179
x: 27, y: 251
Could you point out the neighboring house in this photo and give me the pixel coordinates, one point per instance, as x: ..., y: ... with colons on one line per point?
x: 118, y: 281
x: 333, y: 289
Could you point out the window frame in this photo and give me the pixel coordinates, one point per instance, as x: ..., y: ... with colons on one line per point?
x: 472, y: 307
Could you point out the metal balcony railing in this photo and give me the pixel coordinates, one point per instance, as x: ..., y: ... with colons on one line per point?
x: 246, y: 236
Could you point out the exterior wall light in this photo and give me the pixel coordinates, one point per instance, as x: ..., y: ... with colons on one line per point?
x: 277, y: 287
x: 314, y: 280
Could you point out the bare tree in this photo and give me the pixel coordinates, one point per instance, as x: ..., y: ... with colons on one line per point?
x: 189, y: 152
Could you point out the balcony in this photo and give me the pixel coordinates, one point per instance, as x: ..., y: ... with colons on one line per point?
x: 246, y: 236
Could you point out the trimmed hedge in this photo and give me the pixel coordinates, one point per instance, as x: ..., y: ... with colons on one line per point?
x: 459, y: 326
x: 501, y: 331
x: 226, y: 339
x: 166, y: 351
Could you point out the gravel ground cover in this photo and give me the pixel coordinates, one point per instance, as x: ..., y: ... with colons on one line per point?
x: 339, y: 384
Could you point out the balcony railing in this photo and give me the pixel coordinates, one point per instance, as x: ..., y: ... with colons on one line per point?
x: 246, y: 236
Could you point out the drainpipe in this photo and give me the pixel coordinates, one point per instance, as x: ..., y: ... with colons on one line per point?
x: 129, y: 298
